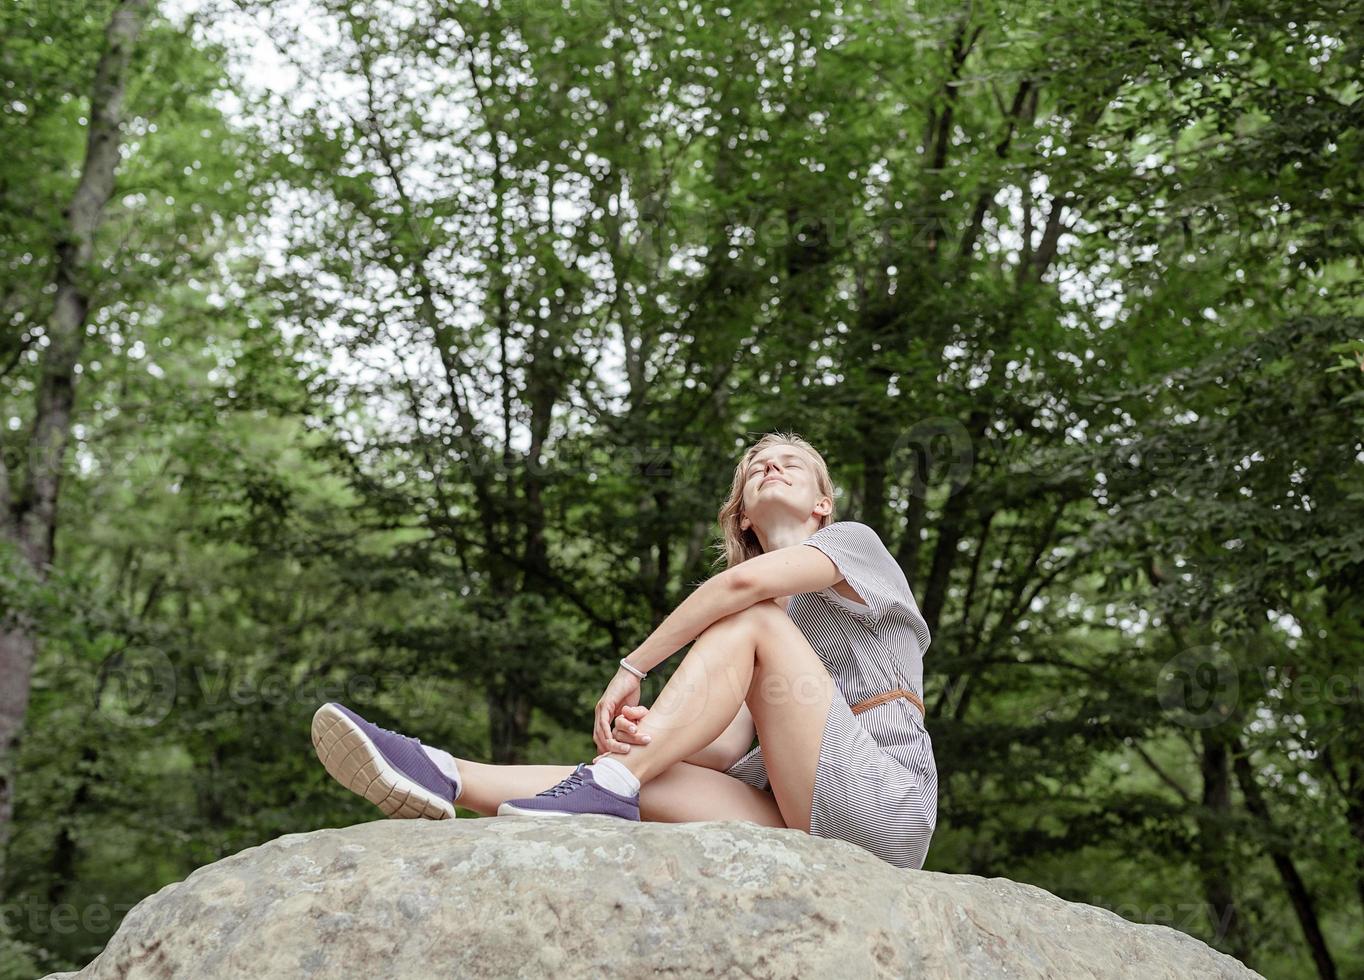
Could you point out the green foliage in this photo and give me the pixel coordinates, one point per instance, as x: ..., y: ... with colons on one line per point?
x: 417, y: 383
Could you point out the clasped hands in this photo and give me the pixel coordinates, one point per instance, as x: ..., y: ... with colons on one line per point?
x: 624, y: 729
x: 618, y: 715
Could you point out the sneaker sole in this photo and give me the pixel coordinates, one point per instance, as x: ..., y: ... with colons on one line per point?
x: 357, y: 764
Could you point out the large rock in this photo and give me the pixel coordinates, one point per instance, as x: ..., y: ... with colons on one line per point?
x: 596, y: 896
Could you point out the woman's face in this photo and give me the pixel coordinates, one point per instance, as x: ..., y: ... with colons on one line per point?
x: 779, y: 479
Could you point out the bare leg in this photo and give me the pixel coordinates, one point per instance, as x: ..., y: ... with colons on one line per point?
x: 488, y: 786
x: 684, y: 793
x: 681, y: 794
x: 756, y: 656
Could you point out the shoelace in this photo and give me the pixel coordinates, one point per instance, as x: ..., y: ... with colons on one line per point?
x: 390, y: 731
x: 567, y: 785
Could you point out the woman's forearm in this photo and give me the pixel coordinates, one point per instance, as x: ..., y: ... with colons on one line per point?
x: 717, y: 597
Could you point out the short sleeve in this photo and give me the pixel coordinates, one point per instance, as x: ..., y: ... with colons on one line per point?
x: 864, y: 561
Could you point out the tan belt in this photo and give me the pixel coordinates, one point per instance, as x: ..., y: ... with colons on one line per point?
x: 885, y: 696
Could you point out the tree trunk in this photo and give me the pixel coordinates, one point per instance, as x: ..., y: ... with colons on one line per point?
x: 1228, y: 929
x: 66, y: 853
x: 1354, y: 818
x: 1298, y: 894
x: 509, y: 725
x: 30, y: 520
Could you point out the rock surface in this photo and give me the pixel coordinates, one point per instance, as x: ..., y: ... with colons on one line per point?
x: 595, y: 896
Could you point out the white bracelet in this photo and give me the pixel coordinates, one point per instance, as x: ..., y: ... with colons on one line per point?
x: 633, y: 669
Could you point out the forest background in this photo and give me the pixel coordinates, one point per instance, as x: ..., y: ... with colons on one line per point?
x: 401, y: 353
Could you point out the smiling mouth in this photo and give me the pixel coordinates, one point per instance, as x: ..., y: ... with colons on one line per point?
x: 772, y: 479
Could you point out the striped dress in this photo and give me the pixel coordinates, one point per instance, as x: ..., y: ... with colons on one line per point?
x: 876, y: 783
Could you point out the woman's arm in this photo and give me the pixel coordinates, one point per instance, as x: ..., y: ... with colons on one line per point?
x: 719, y: 596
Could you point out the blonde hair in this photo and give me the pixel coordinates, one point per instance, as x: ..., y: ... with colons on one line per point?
x: 740, y: 545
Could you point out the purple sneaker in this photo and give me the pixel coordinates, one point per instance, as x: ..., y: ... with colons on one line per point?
x: 386, y: 768
x: 575, y: 794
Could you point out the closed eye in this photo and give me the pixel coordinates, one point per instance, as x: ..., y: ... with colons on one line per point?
x: 789, y: 466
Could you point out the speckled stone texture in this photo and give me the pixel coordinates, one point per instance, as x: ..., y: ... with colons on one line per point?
x: 595, y: 896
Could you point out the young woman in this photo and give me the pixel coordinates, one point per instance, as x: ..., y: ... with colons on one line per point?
x: 810, y: 638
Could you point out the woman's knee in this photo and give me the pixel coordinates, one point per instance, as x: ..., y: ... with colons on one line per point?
x: 758, y: 615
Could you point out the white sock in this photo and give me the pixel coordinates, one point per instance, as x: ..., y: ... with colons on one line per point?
x: 445, y: 762
x: 612, y: 774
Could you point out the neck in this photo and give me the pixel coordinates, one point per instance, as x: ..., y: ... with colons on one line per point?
x: 785, y: 535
